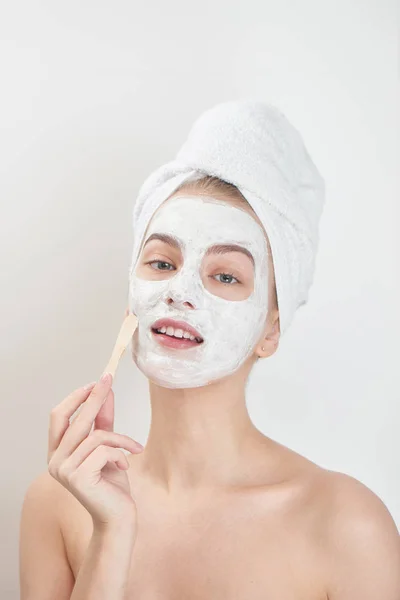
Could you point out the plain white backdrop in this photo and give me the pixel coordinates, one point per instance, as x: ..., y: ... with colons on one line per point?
x: 94, y: 96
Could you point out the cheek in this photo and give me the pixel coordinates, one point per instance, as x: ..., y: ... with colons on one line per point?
x: 145, y: 294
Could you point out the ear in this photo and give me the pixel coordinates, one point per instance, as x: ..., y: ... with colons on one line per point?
x: 270, y: 338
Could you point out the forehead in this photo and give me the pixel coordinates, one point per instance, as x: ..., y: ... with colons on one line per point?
x: 202, y: 219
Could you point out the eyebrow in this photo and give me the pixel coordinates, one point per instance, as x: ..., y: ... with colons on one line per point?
x: 216, y: 249
x: 225, y: 248
x: 163, y: 237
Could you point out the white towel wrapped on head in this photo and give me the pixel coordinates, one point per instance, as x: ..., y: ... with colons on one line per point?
x: 252, y: 145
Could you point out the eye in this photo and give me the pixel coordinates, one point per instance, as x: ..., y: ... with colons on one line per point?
x: 226, y: 278
x: 164, y: 266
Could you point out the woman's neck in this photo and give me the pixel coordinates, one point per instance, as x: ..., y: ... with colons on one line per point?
x: 200, y: 438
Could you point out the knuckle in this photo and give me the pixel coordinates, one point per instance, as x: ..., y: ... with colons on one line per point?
x: 63, y: 472
x: 98, y: 435
x: 96, y: 394
x: 54, y: 414
x: 73, y: 478
x: 52, y: 469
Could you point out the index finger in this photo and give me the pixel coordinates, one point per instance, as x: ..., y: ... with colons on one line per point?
x: 105, y: 417
x: 62, y: 412
x: 81, y: 426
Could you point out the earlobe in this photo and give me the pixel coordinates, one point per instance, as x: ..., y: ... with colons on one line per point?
x: 260, y: 354
x: 271, y: 340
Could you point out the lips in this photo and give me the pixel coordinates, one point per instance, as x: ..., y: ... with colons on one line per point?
x: 176, y: 333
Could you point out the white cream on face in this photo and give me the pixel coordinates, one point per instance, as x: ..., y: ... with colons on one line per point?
x: 230, y: 328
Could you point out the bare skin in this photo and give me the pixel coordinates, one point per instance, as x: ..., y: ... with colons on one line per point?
x: 237, y: 516
x: 224, y: 512
x: 257, y: 540
x: 269, y: 538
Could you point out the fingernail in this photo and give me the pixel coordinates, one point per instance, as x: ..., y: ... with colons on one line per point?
x: 89, y: 385
x: 106, y: 378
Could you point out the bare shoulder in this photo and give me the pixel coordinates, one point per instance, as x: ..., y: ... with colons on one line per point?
x: 50, y: 494
x: 361, y: 539
x: 341, y: 499
x: 47, y: 488
x: 349, y: 501
x: 44, y: 502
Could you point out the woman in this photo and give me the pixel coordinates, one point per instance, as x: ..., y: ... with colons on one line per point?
x: 212, y: 508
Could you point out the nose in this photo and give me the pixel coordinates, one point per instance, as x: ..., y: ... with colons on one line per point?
x: 183, y: 291
x: 186, y: 303
x: 178, y: 299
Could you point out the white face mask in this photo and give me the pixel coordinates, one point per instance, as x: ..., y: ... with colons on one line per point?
x: 230, y: 328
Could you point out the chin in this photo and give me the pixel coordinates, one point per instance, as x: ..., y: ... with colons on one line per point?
x: 195, y: 380
x: 183, y: 374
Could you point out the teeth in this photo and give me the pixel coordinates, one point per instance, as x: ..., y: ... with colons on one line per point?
x: 178, y: 333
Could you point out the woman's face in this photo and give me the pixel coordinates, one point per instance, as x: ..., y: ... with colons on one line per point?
x: 199, y: 290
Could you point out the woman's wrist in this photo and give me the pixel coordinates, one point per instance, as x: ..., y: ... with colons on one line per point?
x: 125, y: 525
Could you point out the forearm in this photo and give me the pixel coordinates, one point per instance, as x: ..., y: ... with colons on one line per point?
x: 105, y: 569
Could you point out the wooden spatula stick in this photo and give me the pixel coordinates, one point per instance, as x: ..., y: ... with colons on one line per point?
x: 126, y: 332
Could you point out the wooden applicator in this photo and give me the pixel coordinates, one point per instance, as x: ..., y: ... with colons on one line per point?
x: 126, y: 332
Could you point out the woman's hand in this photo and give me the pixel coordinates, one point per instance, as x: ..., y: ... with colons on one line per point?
x: 89, y: 464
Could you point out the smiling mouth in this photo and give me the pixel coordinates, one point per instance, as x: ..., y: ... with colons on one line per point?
x: 176, y: 334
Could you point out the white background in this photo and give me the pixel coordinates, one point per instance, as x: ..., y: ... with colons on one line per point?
x: 96, y: 95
